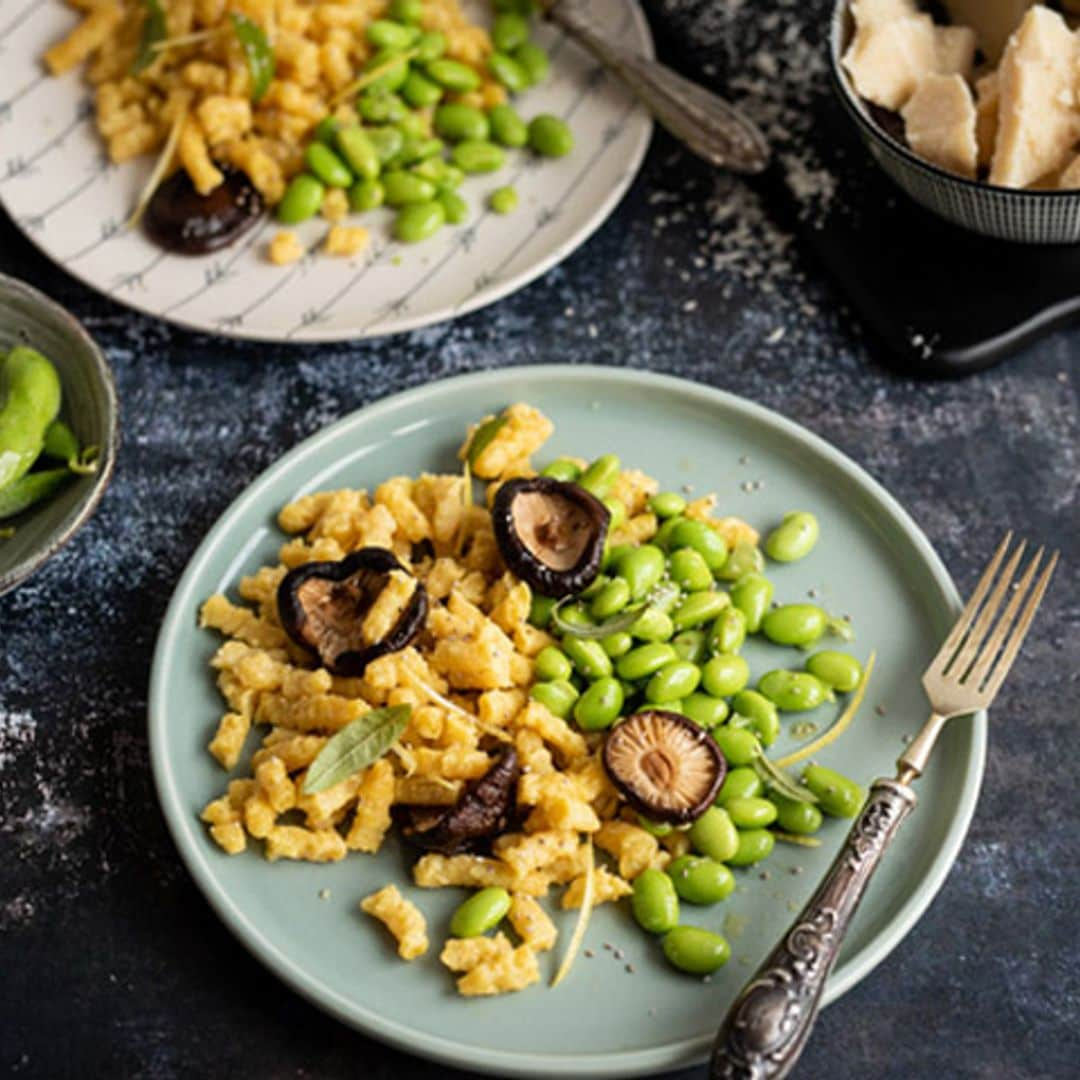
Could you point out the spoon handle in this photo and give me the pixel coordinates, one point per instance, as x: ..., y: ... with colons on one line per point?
x: 710, y: 127
x: 768, y: 1025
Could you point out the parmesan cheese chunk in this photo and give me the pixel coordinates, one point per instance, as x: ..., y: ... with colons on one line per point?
x: 1070, y: 178
x: 877, y: 12
x: 887, y: 61
x: 1039, y: 122
x: 939, y: 124
x: 987, y: 100
x: 992, y: 20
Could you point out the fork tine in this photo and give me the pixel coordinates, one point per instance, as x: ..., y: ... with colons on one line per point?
x: 1017, y: 639
x: 963, y: 624
x: 978, y: 671
x: 963, y: 660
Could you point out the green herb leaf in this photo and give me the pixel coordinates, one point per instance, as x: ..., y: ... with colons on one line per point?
x: 779, y: 780
x: 356, y: 746
x: 154, y: 29
x: 617, y: 623
x: 257, y: 53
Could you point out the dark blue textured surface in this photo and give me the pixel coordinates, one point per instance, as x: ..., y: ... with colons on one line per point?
x: 112, y: 964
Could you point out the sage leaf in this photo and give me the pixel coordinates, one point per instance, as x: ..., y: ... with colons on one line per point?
x: 154, y: 29
x: 356, y: 746
x: 257, y: 52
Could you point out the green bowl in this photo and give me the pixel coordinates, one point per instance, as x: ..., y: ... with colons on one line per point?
x: 29, y: 317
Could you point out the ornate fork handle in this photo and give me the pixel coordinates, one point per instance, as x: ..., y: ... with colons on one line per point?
x: 708, y: 125
x: 765, y: 1030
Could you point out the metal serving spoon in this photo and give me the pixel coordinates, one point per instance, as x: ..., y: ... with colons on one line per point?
x: 706, y: 124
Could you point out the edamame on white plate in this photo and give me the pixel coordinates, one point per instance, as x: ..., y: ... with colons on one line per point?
x: 656, y: 969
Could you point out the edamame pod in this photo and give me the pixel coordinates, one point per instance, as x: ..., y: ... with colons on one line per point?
x: 29, y: 402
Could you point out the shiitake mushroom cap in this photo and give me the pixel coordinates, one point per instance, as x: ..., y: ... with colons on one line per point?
x: 483, y: 811
x: 551, y: 533
x: 322, y: 607
x: 667, y: 767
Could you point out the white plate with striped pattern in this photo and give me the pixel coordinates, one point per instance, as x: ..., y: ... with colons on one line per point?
x: 59, y: 188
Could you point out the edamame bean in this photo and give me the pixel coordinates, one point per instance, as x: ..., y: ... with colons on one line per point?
x: 653, y: 625
x: 396, y: 71
x: 795, y: 624
x: 419, y: 221
x: 575, y: 614
x: 795, y: 816
x: 617, y: 644
x: 690, y: 645
x: 456, y: 123
x: 476, y: 156
x: 366, y: 195
x: 420, y: 92
x: 740, y: 783
x: 794, y: 538
x: 655, y: 903
x: 714, y: 835
x: 562, y: 468
x: 744, y: 558
x: 708, y: 543
x: 673, y: 681
x: 457, y: 209
x: 550, y: 136
x: 430, y: 46
x: 837, y: 795
x: 404, y: 189
x: 483, y: 911
x: 793, y: 691
x: 507, y: 128
x: 754, y: 845
x: 641, y: 569
x: 61, y: 443
x: 751, y: 812
x: 540, y: 610
x: 600, y: 705
x: 535, y: 60
x: 504, y: 200
x: 615, y: 507
x: 725, y: 675
x: 407, y: 11
x: 599, y: 478
x: 728, y: 632
x: 761, y: 712
x: 302, y: 199
x: 738, y: 747
x: 388, y: 34
x: 752, y: 594
x: 698, y: 608
x: 557, y: 697
x: 30, y: 396
x: 588, y: 656
x: 418, y: 150
x: 837, y: 669
x: 31, y: 488
x: 700, y: 880
x: 326, y: 129
x: 667, y: 504
x: 551, y: 664
x: 662, y: 539
x: 358, y: 152
x: 455, y: 76
x: 707, y: 711
x: 433, y: 169
x: 388, y: 142
x: 377, y: 105
x: 655, y: 828
x: 689, y: 570
x: 509, y: 30
x: 695, y: 951
x: 611, y: 599
x: 645, y: 661
x: 510, y: 74
x: 327, y: 166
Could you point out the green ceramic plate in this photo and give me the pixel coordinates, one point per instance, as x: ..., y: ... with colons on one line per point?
x: 873, y: 563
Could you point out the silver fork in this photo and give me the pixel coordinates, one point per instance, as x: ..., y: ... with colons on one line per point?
x: 767, y: 1027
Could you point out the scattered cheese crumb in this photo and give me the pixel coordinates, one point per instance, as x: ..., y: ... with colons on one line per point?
x: 285, y: 248
x: 346, y: 240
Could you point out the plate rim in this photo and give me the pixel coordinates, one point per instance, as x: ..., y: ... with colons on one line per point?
x: 656, y: 1059
x: 312, y: 335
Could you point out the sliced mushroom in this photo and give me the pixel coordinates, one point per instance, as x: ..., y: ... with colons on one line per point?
x: 324, y: 607
x: 483, y: 811
x: 666, y: 767
x: 551, y: 534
